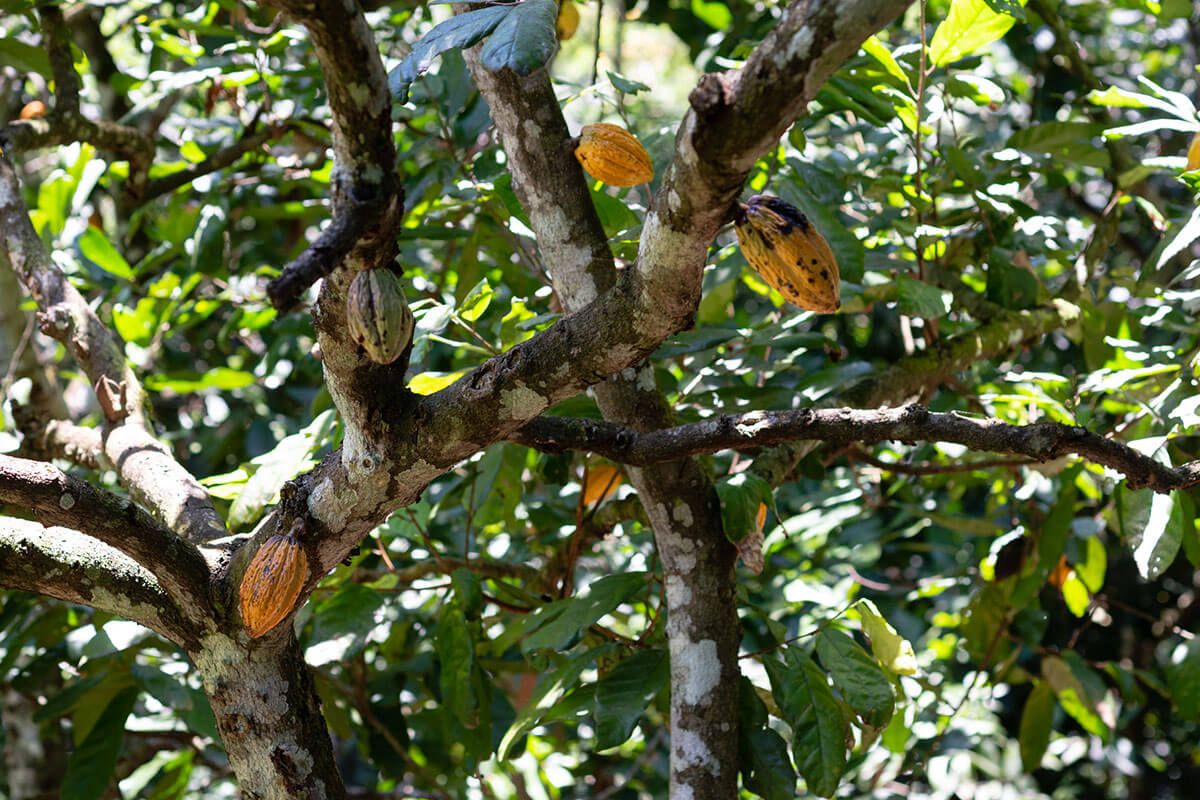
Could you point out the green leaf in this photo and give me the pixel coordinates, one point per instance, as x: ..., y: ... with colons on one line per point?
x: 550, y: 691
x: 271, y: 470
x: 971, y: 24
x: 1094, y: 565
x: 1037, y: 720
x: 96, y: 247
x: 626, y: 85
x: 1183, y: 679
x: 1152, y: 526
x: 1077, y: 692
x: 920, y: 299
x: 90, y: 767
x: 623, y: 694
x: 857, y: 676
x: 892, y: 650
x: 879, y: 51
x: 818, y: 725
x: 477, y: 301
x: 1010, y: 286
x: 1180, y: 238
x: 456, y: 654
x: 24, y: 57
x: 524, y: 40
x: 555, y: 625
x: 223, y: 378
x: 762, y: 753
x: 1076, y: 595
x: 713, y: 13
x: 741, y: 495
x: 461, y: 31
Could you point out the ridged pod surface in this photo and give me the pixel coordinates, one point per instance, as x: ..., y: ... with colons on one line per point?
x: 789, y: 253
x: 380, y: 320
x: 568, y: 20
x: 611, y: 154
x: 272, y: 583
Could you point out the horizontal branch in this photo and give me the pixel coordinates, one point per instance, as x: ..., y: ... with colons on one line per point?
x: 55, y: 498
x: 248, y: 142
x: 65, y: 564
x: 1042, y: 441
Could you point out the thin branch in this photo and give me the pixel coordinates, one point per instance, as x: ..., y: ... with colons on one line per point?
x: 66, y: 123
x: 144, y: 465
x: 55, y: 498
x: 248, y: 142
x: 1041, y: 441
x: 859, y: 454
x: 63, y: 439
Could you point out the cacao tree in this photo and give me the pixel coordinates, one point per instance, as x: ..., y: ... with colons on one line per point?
x: 529, y: 399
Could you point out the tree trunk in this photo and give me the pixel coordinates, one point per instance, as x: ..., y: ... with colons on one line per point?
x: 269, y: 717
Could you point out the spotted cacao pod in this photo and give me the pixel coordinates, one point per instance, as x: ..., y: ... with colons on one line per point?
x: 611, y: 154
x: 568, y: 20
x: 380, y: 320
x: 789, y: 253
x: 272, y: 583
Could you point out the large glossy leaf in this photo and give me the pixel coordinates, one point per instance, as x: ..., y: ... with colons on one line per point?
x: 524, y: 40
x: 857, y: 676
x: 970, y: 25
x: 818, y: 723
x: 460, y: 31
x: 90, y: 767
x: 622, y: 695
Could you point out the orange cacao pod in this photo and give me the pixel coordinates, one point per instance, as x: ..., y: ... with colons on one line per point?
x: 379, y: 317
x: 789, y: 253
x: 600, y: 482
x: 34, y: 109
x: 272, y: 583
x: 611, y: 154
x: 1193, y: 154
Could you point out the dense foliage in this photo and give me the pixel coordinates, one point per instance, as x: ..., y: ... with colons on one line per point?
x: 503, y: 636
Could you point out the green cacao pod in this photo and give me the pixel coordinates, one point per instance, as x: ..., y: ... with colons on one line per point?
x: 380, y: 320
x: 789, y: 253
x: 272, y: 583
x: 611, y: 154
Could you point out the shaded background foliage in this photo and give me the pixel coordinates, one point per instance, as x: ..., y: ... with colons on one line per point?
x: 1050, y: 615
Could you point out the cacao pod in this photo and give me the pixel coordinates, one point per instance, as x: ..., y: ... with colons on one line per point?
x: 380, y: 320
x: 611, y: 154
x: 272, y: 583
x: 1193, y: 155
x: 789, y: 253
x: 568, y: 20
x: 34, y: 109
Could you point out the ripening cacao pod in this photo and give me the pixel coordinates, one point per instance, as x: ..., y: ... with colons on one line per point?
x: 1193, y: 155
x: 611, y: 154
x: 380, y: 320
x: 272, y: 583
x: 34, y: 109
x: 568, y: 20
x: 600, y: 482
x: 788, y: 252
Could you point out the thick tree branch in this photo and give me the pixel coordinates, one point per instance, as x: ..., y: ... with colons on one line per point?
x: 145, y: 466
x: 55, y: 498
x: 65, y: 564
x: 367, y: 200
x: 62, y: 439
x: 1040, y: 442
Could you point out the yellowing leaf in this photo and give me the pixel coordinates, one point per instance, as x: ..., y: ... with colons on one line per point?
x: 600, y: 483
x: 890, y: 648
x: 430, y: 382
x: 1193, y: 161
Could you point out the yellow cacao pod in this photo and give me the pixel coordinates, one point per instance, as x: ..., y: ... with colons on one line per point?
x: 272, y: 583
x: 380, y: 320
x: 611, y: 154
x: 568, y: 20
x: 789, y: 253
x: 1193, y: 157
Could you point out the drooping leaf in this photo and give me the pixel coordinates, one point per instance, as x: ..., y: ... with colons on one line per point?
x: 90, y: 767
x: 762, y: 753
x: 622, y: 695
x: 818, y: 724
x: 857, y: 676
x: 524, y: 40
x: 970, y: 25
x: 1037, y: 721
x: 463, y: 30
